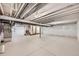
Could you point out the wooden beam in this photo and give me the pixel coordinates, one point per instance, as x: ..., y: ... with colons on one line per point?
x: 11, y: 10
x: 1, y: 8
x: 7, y: 18
x: 28, y: 10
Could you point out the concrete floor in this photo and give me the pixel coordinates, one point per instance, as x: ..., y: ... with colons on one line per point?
x: 45, y: 46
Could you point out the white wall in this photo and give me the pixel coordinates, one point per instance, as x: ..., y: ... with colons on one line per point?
x: 18, y: 30
x: 68, y: 30
x: 78, y: 30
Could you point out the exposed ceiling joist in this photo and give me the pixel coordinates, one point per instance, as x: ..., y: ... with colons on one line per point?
x: 61, y: 15
x: 53, y: 9
x: 67, y: 11
x: 1, y: 8
x: 54, y: 12
x: 11, y: 10
x: 18, y: 12
x: 28, y: 10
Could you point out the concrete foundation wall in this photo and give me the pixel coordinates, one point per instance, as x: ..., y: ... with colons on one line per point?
x: 68, y: 30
